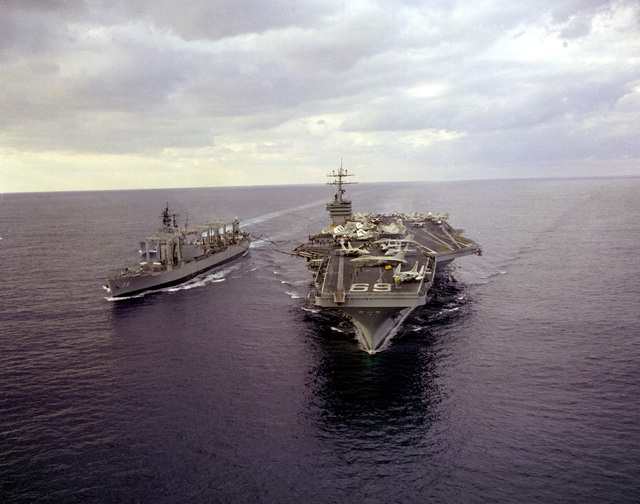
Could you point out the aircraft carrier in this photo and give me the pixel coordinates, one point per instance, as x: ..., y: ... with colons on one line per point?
x: 176, y: 254
x: 376, y: 268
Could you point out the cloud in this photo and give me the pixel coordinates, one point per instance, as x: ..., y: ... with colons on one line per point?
x: 274, y: 93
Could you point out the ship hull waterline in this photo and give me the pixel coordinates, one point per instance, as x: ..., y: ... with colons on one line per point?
x: 375, y: 323
x: 126, y: 287
x: 376, y: 327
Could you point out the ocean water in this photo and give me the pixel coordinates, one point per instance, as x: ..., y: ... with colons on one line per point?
x: 518, y: 382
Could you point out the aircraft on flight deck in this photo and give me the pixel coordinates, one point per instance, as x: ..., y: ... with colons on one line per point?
x: 350, y: 250
x: 408, y: 276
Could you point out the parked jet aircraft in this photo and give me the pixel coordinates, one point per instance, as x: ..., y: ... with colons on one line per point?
x: 387, y: 243
x: 350, y: 250
x: 408, y: 276
x: 375, y: 260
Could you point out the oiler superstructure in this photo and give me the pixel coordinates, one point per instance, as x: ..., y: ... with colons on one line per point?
x: 376, y: 268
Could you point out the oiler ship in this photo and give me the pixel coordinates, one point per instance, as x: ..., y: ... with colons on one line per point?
x: 176, y: 254
x: 376, y: 268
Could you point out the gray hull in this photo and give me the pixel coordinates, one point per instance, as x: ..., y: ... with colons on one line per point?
x: 376, y: 325
x: 124, y: 286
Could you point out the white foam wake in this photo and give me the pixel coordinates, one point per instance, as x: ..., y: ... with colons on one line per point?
x: 274, y: 215
x: 219, y: 275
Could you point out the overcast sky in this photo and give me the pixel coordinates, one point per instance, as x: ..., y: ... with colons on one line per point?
x: 101, y: 94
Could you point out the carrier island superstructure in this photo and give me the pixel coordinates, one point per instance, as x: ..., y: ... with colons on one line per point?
x: 376, y: 268
x: 175, y: 254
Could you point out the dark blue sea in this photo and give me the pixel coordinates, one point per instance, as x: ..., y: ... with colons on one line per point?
x: 519, y: 382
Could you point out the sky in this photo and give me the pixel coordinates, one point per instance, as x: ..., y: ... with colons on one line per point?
x: 137, y: 94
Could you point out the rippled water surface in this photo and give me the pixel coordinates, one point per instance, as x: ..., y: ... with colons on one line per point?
x: 518, y: 382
